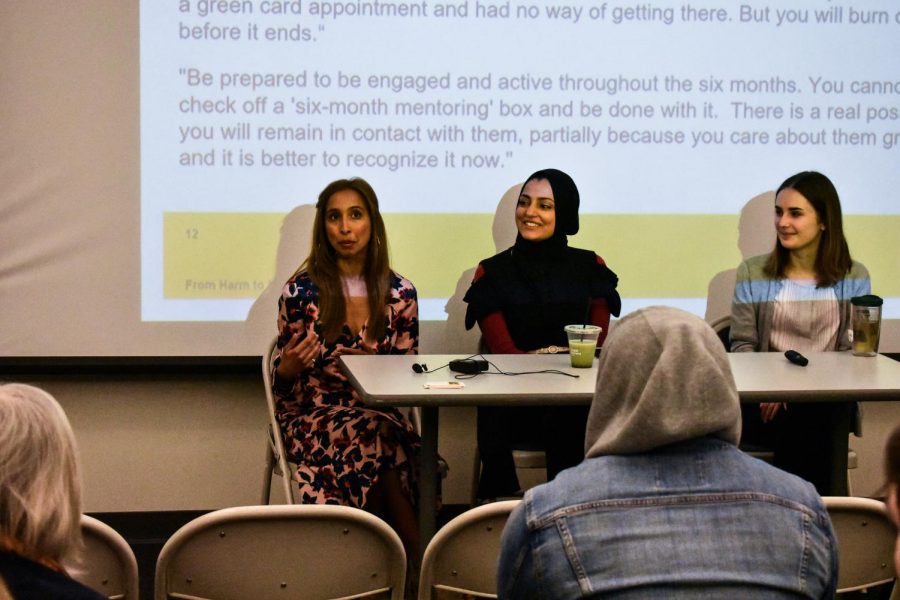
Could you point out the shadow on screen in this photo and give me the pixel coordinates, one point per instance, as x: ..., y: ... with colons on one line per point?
x: 504, y: 232
x: 756, y: 235
x: 293, y: 248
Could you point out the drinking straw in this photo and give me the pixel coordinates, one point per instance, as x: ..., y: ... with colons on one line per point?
x: 587, y: 316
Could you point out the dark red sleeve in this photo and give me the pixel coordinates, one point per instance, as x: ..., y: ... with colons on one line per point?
x: 600, y: 312
x: 496, y: 334
x: 600, y: 316
x: 493, y: 328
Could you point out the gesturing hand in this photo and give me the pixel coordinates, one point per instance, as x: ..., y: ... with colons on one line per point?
x: 298, y: 354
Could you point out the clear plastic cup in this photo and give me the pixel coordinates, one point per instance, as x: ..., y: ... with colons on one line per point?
x: 582, y: 344
x: 866, y: 319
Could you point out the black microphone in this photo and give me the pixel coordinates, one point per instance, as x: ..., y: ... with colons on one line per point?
x: 796, y: 358
x: 469, y: 366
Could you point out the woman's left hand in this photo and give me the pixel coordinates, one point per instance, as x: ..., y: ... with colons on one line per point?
x: 362, y: 349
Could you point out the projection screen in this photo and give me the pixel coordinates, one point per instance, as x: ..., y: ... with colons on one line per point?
x: 159, y: 161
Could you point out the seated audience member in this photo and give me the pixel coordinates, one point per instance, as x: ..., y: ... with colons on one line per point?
x: 892, y: 468
x: 40, y: 496
x: 665, y: 505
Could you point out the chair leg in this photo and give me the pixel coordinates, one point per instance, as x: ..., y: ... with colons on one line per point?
x: 476, y: 475
x: 267, y: 476
x: 852, y: 462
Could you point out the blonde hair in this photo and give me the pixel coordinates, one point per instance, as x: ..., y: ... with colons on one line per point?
x: 40, y: 490
x: 4, y: 592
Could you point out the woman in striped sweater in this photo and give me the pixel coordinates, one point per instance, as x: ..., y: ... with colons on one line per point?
x: 798, y: 298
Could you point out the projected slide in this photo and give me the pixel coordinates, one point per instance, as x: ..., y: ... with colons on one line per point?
x: 670, y: 116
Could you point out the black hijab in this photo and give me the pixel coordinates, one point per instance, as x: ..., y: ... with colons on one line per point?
x: 542, y: 286
x: 565, y: 202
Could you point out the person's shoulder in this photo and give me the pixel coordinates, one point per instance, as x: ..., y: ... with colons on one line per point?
x: 496, y: 265
x: 37, y: 581
x: 401, y: 285
x: 583, y: 254
x: 569, y: 489
x: 496, y: 260
x: 757, y: 262
x: 765, y: 478
x: 300, y: 279
x: 753, y: 267
x: 858, y: 270
x: 768, y: 483
x: 299, y: 286
x: 587, y: 259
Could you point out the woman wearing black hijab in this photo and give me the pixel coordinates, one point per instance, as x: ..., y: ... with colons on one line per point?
x: 522, y: 299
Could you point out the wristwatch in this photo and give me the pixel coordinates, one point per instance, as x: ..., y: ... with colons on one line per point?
x: 552, y: 350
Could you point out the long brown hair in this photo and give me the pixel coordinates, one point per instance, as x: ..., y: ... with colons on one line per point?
x: 321, y: 264
x: 833, y: 256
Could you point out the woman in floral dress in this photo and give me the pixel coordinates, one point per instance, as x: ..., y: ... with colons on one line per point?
x: 345, y: 299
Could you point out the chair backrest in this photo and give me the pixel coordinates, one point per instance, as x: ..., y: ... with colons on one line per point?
x: 722, y: 327
x: 462, y: 556
x: 277, y: 456
x: 282, y: 551
x: 107, y: 563
x: 865, y: 537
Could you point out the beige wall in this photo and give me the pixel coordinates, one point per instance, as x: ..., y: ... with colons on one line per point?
x: 195, y: 439
x: 192, y: 443
x: 182, y: 443
x: 879, y: 419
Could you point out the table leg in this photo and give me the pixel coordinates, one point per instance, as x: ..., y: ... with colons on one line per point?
x: 840, y: 430
x: 428, y: 475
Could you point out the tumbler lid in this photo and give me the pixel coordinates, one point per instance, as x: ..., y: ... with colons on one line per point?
x: 868, y: 300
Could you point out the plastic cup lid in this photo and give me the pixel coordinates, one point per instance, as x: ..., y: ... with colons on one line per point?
x: 867, y: 300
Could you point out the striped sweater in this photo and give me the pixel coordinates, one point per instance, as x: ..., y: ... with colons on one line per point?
x: 753, y: 305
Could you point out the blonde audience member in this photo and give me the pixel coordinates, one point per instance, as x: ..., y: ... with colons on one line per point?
x: 40, y: 496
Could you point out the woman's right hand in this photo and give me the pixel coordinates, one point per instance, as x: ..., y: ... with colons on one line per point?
x: 297, y: 355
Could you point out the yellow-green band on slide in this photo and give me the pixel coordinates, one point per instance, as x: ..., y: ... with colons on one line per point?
x: 233, y: 255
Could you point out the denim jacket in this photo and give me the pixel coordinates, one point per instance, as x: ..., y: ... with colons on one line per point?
x: 696, y: 519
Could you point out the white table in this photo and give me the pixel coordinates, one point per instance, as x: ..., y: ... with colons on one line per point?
x: 829, y: 376
x: 760, y: 377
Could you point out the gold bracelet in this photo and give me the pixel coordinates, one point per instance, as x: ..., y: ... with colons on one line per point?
x: 552, y: 350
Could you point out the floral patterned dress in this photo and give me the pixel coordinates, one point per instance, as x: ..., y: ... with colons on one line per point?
x: 340, y: 444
